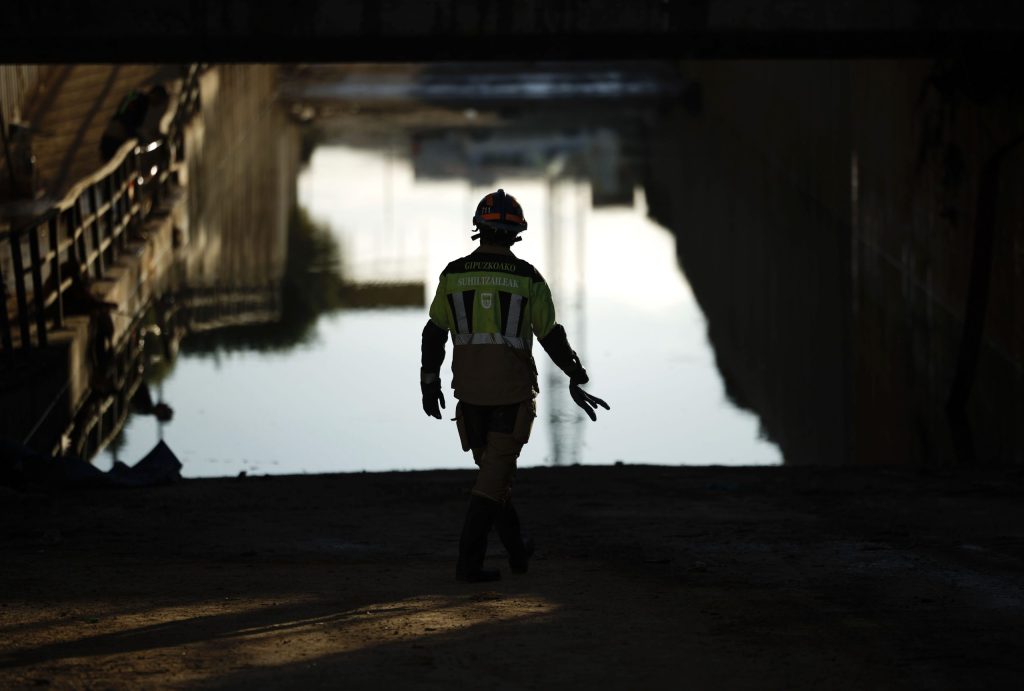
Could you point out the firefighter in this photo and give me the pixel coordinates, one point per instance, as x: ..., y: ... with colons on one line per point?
x: 493, y: 304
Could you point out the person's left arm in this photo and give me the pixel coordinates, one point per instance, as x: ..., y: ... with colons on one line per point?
x: 552, y: 337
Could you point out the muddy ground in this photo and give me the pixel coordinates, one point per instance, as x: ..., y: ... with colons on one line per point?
x: 645, y: 577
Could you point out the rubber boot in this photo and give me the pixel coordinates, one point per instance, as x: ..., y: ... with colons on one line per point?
x: 519, y: 550
x: 473, y: 543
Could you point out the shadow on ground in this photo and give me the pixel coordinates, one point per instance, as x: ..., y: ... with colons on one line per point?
x: 645, y: 576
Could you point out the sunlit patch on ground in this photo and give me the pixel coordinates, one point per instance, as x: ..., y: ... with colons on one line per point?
x: 202, y: 641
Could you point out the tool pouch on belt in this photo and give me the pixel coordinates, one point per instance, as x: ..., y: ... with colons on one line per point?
x: 524, y: 421
x: 460, y: 423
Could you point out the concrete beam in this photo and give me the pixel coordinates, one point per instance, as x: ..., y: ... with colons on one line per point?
x: 435, y: 30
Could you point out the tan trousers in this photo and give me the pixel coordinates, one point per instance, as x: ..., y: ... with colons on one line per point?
x: 503, y: 430
x: 497, y: 463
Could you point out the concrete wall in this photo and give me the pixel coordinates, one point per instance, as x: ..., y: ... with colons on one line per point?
x: 923, y: 133
x: 754, y: 187
x: 17, y: 85
x: 826, y: 214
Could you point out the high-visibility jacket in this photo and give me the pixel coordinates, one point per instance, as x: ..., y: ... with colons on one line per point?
x: 493, y: 304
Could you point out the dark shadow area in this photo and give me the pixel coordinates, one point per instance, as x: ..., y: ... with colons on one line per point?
x: 843, y: 226
x: 321, y: 30
x: 743, y: 577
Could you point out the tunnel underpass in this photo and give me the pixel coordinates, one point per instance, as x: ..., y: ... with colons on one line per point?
x: 823, y: 252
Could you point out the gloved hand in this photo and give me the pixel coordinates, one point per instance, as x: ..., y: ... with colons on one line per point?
x: 431, y: 397
x: 582, y: 398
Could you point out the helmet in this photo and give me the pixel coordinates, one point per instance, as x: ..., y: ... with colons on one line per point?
x: 501, y: 212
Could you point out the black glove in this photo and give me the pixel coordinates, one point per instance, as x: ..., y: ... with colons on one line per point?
x: 431, y: 397
x: 582, y: 398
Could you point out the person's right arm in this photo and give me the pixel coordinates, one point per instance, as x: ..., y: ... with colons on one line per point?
x: 432, y: 343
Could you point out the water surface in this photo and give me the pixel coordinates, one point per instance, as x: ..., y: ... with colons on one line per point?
x: 349, y: 399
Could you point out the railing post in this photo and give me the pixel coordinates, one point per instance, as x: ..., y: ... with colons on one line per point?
x: 55, y: 270
x: 158, y: 183
x: 37, y: 285
x: 19, y: 287
x: 115, y: 248
x: 136, y: 168
x: 97, y: 238
x: 5, y: 320
x: 123, y: 205
x: 78, y: 237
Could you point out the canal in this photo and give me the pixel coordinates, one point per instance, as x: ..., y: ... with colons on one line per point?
x: 389, y: 204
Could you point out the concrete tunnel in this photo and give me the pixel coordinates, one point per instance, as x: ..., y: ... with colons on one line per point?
x: 852, y: 172
x: 841, y: 185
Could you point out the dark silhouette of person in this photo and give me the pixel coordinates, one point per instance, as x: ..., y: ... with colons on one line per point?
x: 133, y: 118
x: 493, y: 304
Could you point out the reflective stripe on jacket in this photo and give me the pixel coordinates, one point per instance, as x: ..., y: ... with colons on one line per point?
x: 493, y: 303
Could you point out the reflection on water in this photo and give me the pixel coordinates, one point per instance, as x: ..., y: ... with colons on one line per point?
x: 346, y: 398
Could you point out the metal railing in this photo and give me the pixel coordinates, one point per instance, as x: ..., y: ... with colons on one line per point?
x: 183, y: 313
x: 87, y: 230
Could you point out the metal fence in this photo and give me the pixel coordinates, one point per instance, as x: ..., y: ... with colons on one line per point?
x: 79, y: 237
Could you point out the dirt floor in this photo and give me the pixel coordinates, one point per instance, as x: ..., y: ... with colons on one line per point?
x: 645, y: 577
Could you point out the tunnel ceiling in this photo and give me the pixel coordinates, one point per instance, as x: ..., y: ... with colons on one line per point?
x: 437, y: 30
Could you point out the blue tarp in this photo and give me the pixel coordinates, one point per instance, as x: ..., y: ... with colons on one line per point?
x: 20, y: 465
